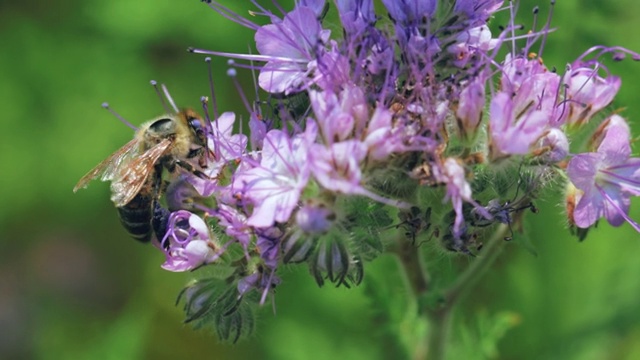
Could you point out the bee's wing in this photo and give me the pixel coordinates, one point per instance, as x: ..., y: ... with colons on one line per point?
x: 109, y: 166
x: 130, y: 179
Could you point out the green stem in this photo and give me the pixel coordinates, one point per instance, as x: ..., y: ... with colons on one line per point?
x: 413, y: 266
x: 441, y: 317
x: 439, y: 330
x: 478, y: 267
x: 417, y: 278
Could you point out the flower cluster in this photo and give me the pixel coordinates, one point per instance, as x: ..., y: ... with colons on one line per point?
x: 420, y: 124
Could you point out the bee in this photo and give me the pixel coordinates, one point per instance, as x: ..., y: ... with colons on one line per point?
x: 135, y: 170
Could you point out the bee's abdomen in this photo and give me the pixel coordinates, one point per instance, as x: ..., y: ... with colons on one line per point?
x: 136, y: 217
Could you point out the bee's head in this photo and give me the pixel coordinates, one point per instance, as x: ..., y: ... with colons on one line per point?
x: 197, y: 127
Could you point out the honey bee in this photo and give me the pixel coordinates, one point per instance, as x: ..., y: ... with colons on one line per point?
x: 135, y: 170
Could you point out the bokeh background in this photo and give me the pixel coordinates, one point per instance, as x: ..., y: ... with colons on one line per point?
x: 74, y: 286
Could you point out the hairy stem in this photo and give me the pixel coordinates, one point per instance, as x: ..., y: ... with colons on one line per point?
x: 413, y: 266
x: 440, y: 318
x: 439, y: 330
x: 478, y: 267
x: 417, y: 279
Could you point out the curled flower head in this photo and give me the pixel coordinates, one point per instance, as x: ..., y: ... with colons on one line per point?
x: 188, y: 243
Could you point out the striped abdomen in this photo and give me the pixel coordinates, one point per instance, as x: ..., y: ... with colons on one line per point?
x: 136, y: 216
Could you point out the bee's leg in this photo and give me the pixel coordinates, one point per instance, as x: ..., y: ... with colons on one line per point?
x: 162, y: 188
x: 188, y: 167
x: 158, y: 188
x: 160, y: 221
x: 195, y: 152
x: 199, y: 152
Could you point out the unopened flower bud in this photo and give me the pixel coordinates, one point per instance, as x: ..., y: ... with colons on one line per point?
x: 470, y: 109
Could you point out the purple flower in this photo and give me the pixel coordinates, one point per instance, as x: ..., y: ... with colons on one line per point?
x: 259, y: 280
x: 258, y: 130
x: 317, y: 6
x: 552, y: 146
x: 613, y: 121
x: 188, y: 243
x: 469, y: 42
x: 268, y: 244
x: 235, y: 224
x: 369, y: 115
x: 293, y: 45
x: 606, y: 180
x: 587, y: 93
x: 381, y: 139
x: 225, y: 147
x: 518, y: 71
x: 477, y: 9
x: 315, y: 218
x: 452, y: 174
x: 356, y: 15
x: 524, y: 108
x: 336, y: 117
x: 513, y: 133
x: 333, y: 70
x: 337, y: 167
x: 274, y: 185
x: 470, y: 108
x: 411, y: 11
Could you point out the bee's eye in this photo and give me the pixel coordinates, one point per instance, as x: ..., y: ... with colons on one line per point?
x: 165, y: 125
x: 195, y: 124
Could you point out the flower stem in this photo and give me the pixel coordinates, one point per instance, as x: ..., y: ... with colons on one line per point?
x: 439, y: 330
x: 413, y: 266
x: 476, y: 270
x: 417, y: 279
x: 440, y: 317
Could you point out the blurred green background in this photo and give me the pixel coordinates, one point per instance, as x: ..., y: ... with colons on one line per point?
x: 74, y: 286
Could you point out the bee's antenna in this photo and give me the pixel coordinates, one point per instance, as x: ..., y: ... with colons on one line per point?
x: 106, y: 106
x: 169, y: 98
x: 214, y: 103
x: 164, y: 104
x: 209, y: 121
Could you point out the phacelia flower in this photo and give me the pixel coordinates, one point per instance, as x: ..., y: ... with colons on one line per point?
x: 587, y: 93
x: 607, y: 179
x: 274, y: 185
x: 384, y: 134
x: 188, y: 243
x: 292, y: 45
